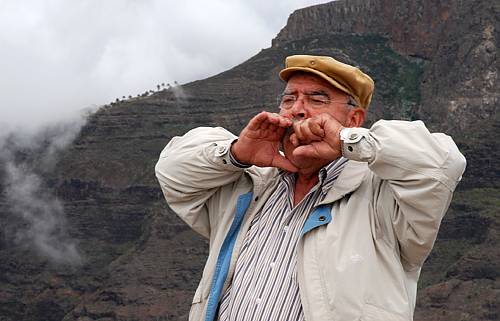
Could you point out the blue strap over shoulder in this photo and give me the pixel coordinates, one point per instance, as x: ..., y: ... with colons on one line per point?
x: 320, y: 216
x: 224, y: 259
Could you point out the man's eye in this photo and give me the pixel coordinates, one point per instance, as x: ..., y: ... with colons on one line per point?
x: 319, y: 100
x: 288, y: 99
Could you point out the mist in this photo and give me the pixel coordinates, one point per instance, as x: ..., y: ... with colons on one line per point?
x: 40, y: 223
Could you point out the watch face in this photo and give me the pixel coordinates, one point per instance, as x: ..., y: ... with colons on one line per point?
x: 344, y: 133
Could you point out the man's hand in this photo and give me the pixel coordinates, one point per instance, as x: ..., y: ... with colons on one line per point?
x: 317, y: 137
x: 260, y: 140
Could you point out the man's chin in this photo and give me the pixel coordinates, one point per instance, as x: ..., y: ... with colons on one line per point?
x: 299, y: 161
x: 305, y: 164
x: 302, y: 162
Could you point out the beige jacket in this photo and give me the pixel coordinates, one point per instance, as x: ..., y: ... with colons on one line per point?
x: 386, y: 208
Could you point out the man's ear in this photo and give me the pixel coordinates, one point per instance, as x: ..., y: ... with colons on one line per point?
x: 356, y: 117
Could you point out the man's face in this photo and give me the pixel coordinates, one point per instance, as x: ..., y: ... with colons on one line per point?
x: 306, y: 95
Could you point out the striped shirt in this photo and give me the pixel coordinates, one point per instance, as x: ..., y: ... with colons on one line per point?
x: 264, y: 285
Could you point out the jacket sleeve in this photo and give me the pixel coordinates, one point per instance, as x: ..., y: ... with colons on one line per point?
x: 190, y: 170
x: 417, y: 173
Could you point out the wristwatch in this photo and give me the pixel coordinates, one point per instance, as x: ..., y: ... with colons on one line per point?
x: 344, y: 138
x: 344, y: 134
x: 349, y: 137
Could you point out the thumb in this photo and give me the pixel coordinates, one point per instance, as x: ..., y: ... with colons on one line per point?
x: 283, y: 163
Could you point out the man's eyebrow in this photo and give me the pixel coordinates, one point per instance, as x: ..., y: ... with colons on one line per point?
x: 289, y: 92
x: 313, y: 92
x: 318, y: 92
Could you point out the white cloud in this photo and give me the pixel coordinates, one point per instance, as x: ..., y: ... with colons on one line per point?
x: 61, y: 56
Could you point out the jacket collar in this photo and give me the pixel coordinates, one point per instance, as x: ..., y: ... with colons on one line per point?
x: 349, y: 180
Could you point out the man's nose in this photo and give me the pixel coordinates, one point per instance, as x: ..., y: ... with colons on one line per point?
x: 298, y: 109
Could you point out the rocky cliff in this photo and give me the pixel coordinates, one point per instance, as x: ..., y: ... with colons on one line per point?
x: 431, y: 60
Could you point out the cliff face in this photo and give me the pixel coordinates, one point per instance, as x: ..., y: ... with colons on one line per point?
x: 435, y: 61
x: 414, y: 28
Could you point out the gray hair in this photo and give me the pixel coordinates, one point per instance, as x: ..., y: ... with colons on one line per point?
x: 352, y: 102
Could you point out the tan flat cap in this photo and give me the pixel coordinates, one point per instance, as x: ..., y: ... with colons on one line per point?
x: 345, y: 77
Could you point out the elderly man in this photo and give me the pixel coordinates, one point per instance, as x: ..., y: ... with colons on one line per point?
x: 309, y: 216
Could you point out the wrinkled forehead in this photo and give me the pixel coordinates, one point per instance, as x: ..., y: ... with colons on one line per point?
x: 308, y: 82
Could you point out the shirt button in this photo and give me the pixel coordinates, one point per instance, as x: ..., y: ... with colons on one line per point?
x: 272, y: 265
x: 353, y: 136
x: 285, y: 229
x: 221, y: 149
x: 322, y: 218
x: 258, y: 300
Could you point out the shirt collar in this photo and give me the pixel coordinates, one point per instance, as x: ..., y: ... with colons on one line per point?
x: 326, y: 175
x: 329, y: 173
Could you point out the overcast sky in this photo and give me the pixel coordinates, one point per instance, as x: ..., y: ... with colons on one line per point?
x: 58, y: 57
